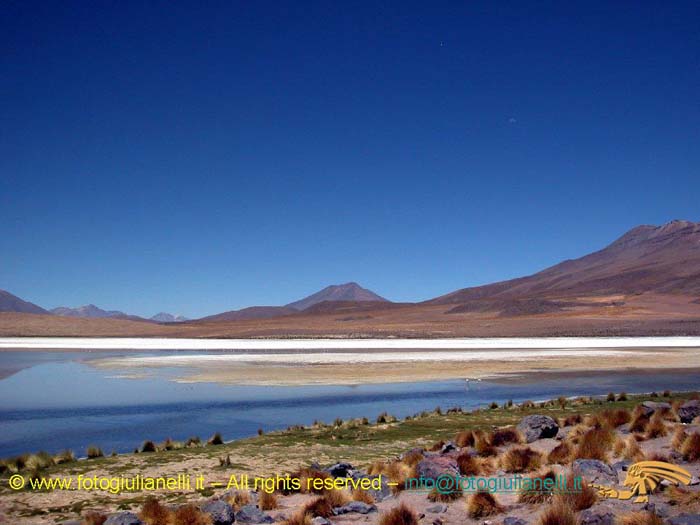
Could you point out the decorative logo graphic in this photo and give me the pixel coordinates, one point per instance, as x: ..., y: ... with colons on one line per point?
x: 643, y: 477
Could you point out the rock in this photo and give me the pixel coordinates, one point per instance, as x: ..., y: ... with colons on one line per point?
x: 252, y: 514
x: 437, y: 509
x: 622, y: 466
x: 318, y: 520
x: 538, y: 427
x: 660, y: 509
x: 689, y: 411
x: 355, y: 506
x: 340, y: 470
x: 684, y: 519
x: 435, y: 466
x: 512, y: 520
x: 694, y: 481
x: 595, y: 471
x: 601, y: 516
x: 448, y: 447
x: 123, y: 518
x: 650, y: 407
x: 221, y: 513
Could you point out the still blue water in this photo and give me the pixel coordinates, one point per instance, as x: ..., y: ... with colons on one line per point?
x: 58, y: 401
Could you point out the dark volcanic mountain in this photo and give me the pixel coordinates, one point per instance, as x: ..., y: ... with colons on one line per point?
x: 661, y: 259
x: 337, y: 292
x: 12, y: 303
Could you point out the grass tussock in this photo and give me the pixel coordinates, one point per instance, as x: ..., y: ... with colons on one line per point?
x: 412, y: 457
x: 464, y: 439
x: 632, y: 450
x: 558, y: 513
x: 684, y: 498
x: 363, y: 496
x: 148, y: 446
x: 690, y: 449
x: 238, y: 499
x: 445, y: 497
x: 679, y: 436
x: 468, y: 465
x: 401, y: 514
x: 93, y: 518
x: 538, y: 491
x: 337, y: 498
x: 267, y: 500
x: 300, y: 518
x: 639, y: 420
x: 595, y: 444
x: 94, y: 452
x: 641, y: 518
x: 505, y: 436
x: 616, y: 418
x: 483, y: 504
x: 577, y: 500
x: 190, y: 515
x: 560, y: 455
x: 306, y: 473
x: 319, y: 507
x: 153, y: 513
x: 656, y: 427
x: 216, y: 439
x: 570, y: 421
x: 521, y: 459
x: 66, y: 456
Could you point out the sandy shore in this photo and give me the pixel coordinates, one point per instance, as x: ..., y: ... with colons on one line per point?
x: 394, y: 367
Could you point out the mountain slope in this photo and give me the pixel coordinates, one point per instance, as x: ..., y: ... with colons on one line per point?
x: 337, y: 292
x: 252, y: 312
x: 661, y: 259
x: 12, y: 303
x: 90, y: 311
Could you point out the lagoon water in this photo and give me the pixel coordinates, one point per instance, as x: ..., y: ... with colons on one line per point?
x: 56, y: 400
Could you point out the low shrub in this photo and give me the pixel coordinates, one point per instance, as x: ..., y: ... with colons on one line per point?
x: 401, y: 514
x: 521, y: 459
x: 216, y: 439
x: 94, y: 452
x: 483, y: 504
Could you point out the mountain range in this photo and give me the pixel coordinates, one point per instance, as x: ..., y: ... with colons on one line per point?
x: 646, y: 281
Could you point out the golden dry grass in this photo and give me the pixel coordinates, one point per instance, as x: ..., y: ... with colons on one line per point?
x: 153, y: 513
x: 641, y: 518
x: 521, y: 459
x: 401, y: 514
x: 560, y: 455
x: 558, y: 513
x: 268, y: 500
x: 483, y: 504
x: 190, y: 515
x: 690, y: 449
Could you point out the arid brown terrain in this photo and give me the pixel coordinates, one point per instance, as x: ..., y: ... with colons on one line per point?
x: 645, y: 283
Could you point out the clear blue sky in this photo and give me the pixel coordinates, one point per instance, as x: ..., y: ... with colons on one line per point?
x: 196, y: 159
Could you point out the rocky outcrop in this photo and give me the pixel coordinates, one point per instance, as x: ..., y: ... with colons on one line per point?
x: 595, y: 471
x: 689, y: 411
x: 252, y: 514
x: 538, y: 427
x: 123, y: 518
x: 220, y: 512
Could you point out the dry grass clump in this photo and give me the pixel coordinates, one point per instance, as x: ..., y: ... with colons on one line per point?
x: 575, y: 434
x: 445, y: 497
x: 468, y: 465
x: 560, y: 455
x: 558, y: 513
x: 148, y: 446
x: 483, y: 446
x: 216, y: 439
x: 395, y: 471
x: 690, y: 449
x: 190, y: 515
x: 577, y: 500
x: 402, y: 514
x: 521, y: 459
x: 412, y: 457
x: 65, y: 456
x: 362, y: 495
x: 639, y: 420
x: 153, y: 513
x: 238, y: 499
x: 505, y: 436
x: 267, y: 500
x: 631, y: 450
x: 38, y: 461
x: 683, y: 497
x: 94, y: 452
x: 656, y: 427
x: 641, y: 518
x: 319, y: 507
x: 679, y: 436
x: 594, y: 444
x: 300, y: 518
x: 571, y: 420
x: 306, y: 473
x: 464, y: 439
x: 538, y: 491
x: 337, y: 498
x: 93, y: 518
x: 482, y: 504
x: 616, y: 418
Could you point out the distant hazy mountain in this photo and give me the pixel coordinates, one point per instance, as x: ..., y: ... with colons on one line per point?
x: 12, y: 303
x: 337, y: 292
x: 164, y: 317
x: 90, y: 311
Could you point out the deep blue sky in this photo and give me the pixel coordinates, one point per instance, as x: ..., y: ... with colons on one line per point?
x: 196, y: 159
